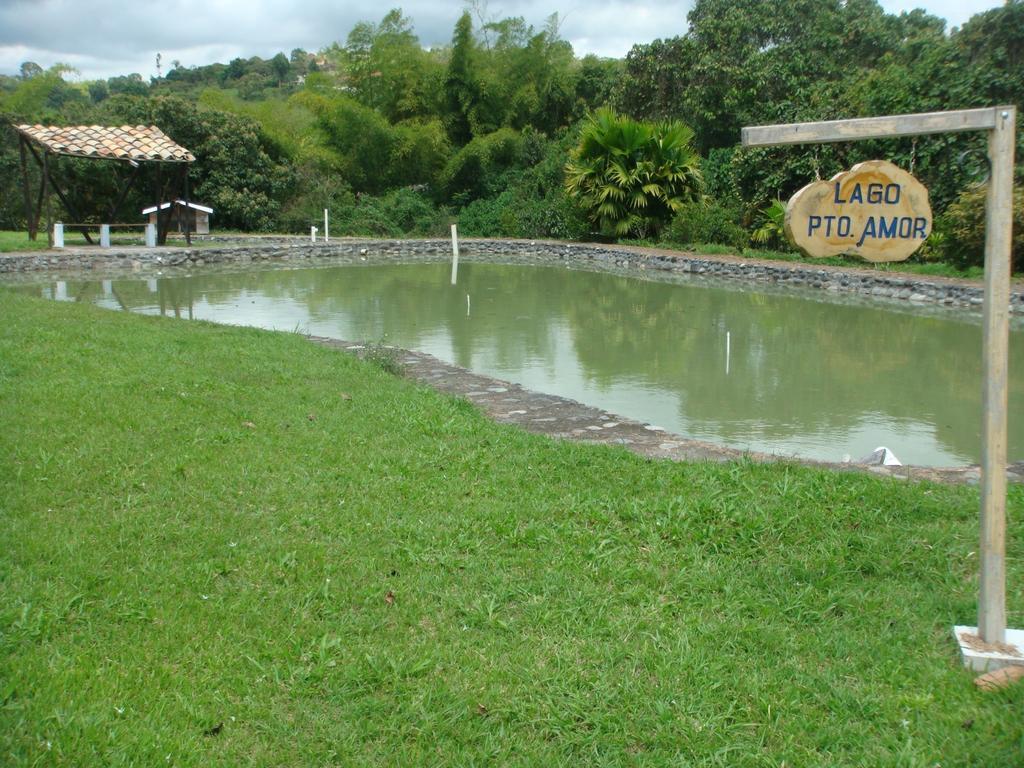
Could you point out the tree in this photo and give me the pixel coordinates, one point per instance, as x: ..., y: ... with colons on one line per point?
x: 130, y: 85
x: 386, y: 68
x: 461, y: 90
x: 98, y: 91
x: 281, y: 66
x: 534, y: 76
x: 632, y: 176
x: 991, y: 48
x: 30, y: 69
x: 371, y: 154
x: 233, y: 172
x: 236, y: 68
x: 744, y: 62
x: 596, y: 81
x: 46, y: 96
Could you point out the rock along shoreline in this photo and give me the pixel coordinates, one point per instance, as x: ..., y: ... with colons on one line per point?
x: 894, y: 286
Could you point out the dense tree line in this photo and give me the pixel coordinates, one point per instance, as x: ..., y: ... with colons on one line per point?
x: 399, y: 139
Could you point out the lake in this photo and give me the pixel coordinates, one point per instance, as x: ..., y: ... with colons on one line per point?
x: 802, y: 374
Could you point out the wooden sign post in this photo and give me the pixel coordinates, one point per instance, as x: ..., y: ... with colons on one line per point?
x: 992, y: 648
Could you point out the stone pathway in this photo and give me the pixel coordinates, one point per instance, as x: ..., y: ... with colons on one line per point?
x: 566, y: 419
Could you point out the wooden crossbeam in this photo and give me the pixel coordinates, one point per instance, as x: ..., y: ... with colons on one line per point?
x: 857, y: 129
x: 124, y: 192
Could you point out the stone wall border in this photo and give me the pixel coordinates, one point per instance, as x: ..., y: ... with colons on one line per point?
x: 895, y: 286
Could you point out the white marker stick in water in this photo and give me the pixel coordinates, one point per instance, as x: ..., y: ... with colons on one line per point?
x: 455, y: 254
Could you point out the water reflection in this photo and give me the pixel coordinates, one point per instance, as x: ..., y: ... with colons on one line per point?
x: 803, y: 376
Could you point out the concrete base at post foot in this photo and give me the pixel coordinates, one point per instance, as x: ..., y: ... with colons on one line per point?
x: 983, y: 657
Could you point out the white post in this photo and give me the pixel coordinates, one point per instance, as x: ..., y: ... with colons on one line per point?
x: 327, y: 230
x: 996, y: 332
x: 312, y: 234
x: 728, y: 351
x: 455, y: 254
x: 467, y: 305
x: 151, y: 235
x: 58, y: 235
x: 104, y: 235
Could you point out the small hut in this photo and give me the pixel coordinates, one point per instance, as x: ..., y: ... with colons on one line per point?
x: 183, y: 212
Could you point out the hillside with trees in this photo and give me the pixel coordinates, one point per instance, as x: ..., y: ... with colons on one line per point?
x: 507, y: 131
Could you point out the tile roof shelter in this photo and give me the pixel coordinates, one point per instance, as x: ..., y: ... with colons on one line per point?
x: 132, y: 145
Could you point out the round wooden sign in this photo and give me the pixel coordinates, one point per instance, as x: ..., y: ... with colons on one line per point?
x: 875, y: 210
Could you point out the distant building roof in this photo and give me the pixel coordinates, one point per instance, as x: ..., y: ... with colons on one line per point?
x: 142, y: 143
x: 165, y: 206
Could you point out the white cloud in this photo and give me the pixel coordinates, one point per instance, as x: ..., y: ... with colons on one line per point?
x: 103, y: 38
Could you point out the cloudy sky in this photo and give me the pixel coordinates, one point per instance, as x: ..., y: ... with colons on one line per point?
x: 103, y: 38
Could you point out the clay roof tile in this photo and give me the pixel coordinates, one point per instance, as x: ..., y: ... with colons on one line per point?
x: 140, y: 142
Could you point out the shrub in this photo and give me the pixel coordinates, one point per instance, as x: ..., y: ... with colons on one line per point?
x: 409, y: 211
x: 475, y: 171
x: 709, y: 222
x: 316, y: 190
x: 961, y: 230
x: 413, y: 212
x: 517, y: 213
x: 770, y: 229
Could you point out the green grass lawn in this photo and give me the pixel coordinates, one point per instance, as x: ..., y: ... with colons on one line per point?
x: 225, y: 546
x: 18, y: 241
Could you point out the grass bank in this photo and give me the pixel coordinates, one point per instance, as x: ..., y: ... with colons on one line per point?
x: 12, y: 242
x: 18, y: 241
x: 224, y: 546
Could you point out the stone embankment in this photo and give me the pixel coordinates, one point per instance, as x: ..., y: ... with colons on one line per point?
x: 865, y: 282
x: 566, y: 419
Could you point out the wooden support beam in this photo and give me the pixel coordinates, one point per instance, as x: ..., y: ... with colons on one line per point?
x: 42, y: 189
x: 871, y: 127
x: 996, y: 332
x: 67, y: 203
x: 162, y: 219
x: 29, y: 221
x: 188, y: 211
x: 44, y: 192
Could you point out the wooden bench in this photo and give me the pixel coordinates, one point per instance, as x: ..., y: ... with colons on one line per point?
x: 104, y: 230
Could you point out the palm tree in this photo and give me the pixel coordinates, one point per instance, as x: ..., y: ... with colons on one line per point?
x: 771, y: 225
x: 631, y: 177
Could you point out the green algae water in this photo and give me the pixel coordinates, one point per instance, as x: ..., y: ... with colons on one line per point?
x: 791, y: 374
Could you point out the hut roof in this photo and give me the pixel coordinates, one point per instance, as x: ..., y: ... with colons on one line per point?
x: 140, y: 143
x: 190, y: 204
